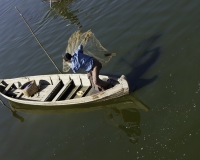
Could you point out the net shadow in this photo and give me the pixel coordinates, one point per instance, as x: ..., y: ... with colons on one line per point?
x: 140, y: 60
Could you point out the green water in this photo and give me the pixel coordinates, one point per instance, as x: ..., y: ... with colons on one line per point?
x: 157, y: 48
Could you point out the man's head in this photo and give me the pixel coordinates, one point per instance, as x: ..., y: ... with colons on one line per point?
x: 67, y: 57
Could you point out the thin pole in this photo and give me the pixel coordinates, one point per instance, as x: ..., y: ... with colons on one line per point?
x: 37, y: 39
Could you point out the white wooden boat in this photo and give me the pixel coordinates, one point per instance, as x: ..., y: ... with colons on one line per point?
x: 61, y: 89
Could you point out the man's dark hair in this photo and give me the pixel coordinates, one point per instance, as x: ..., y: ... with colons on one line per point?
x: 67, y: 56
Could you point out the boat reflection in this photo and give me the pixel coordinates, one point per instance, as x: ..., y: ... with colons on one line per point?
x: 63, y: 9
x: 124, y: 102
x: 122, y: 113
x: 127, y: 120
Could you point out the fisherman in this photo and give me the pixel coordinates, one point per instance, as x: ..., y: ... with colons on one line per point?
x: 89, y: 64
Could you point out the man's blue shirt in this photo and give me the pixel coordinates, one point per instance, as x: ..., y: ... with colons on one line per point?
x: 80, y: 60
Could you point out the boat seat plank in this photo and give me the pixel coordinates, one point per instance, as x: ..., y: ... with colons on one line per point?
x: 19, y: 95
x: 72, y: 94
x: 8, y: 88
x: 51, y: 93
x: 85, y: 80
x: 76, y: 79
x: 65, y: 78
x: 63, y: 91
x: 3, y: 82
x: 54, y: 79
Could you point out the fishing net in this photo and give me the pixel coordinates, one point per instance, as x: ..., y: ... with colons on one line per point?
x: 91, y: 47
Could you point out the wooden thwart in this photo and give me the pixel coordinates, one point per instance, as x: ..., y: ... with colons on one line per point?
x: 1, y: 81
x: 53, y: 91
x: 64, y: 89
x: 8, y: 88
x: 19, y: 95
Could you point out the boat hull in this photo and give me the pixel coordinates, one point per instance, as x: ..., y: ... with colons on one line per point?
x: 120, y: 88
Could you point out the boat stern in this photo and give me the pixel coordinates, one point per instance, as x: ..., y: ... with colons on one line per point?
x: 122, y: 80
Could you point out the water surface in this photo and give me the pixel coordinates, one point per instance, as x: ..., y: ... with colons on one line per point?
x: 157, y: 47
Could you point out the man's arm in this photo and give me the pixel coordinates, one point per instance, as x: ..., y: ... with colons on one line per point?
x: 73, y: 70
x: 80, y: 47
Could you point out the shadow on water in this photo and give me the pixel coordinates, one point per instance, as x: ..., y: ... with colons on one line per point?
x: 63, y: 9
x: 147, y: 57
x: 140, y: 60
x: 128, y: 119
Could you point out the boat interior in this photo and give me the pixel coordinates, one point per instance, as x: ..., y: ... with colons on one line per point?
x: 51, y: 87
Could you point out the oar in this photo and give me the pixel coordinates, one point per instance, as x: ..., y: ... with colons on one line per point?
x: 37, y: 39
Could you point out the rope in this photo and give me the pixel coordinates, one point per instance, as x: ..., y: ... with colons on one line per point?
x: 6, y: 106
x: 37, y: 39
x: 13, y: 112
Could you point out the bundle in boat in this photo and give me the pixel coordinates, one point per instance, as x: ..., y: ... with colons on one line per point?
x: 29, y: 88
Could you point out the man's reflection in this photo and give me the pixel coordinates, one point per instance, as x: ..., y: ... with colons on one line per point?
x: 127, y: 120
x: 63, y: 9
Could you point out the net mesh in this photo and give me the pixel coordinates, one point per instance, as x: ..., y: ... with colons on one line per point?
x: 91, y: 47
